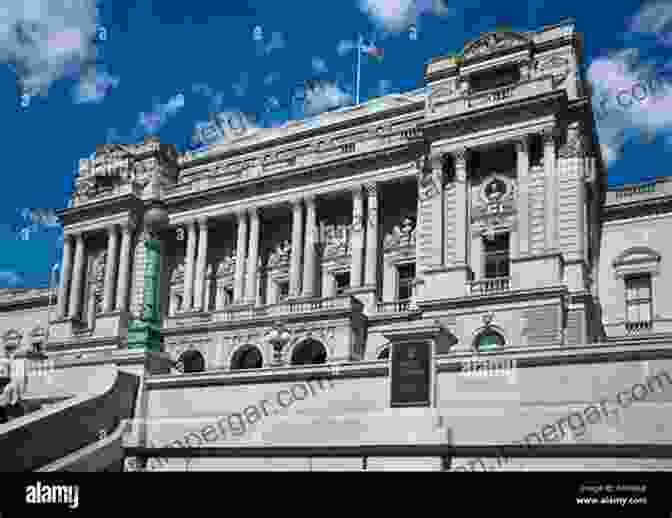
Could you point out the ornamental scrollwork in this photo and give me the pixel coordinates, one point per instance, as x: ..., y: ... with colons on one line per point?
x: 401, y: 235
x: 280, y: 255
x: 226, y: 266
x: 336, y: 240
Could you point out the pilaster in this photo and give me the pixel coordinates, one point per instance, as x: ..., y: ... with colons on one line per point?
x: 124, y: 266
x: 201, y: 265
x: 241, y: 248
x: 295, y: 259
x: 188, y: 298
x: 66, y: 274
x: 253, y: 257
x: 357, y: 238
x: 309, y: 267
x: 111, y: 268
x: 78, y: 277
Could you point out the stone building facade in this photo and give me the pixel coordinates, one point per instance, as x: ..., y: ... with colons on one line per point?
x: 479, y: 202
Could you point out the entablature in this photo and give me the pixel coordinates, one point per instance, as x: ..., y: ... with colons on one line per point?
x: 393, y: 172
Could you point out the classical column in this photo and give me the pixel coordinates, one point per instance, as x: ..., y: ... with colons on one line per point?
x: 371, y: 273
x: 77, y: 278
x: 309, y: 253
x: 201, y: 264
x: 124, y: 267
x: 551, y: 191
x: 110, y: 268
x: 253, y: 257
x: 461, y: 207
x: 188, y: 296
x: 241, y: 247
x: 66, y: 273
x: 295, y: 259
x: 357, y: 238
x: 523, y: 202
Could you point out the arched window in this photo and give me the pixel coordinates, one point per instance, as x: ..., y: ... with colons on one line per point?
x: 191, y: 361
x: 489, y: 340
x: 248, y: 357
x: 309, y: 352
x: 384, y: 354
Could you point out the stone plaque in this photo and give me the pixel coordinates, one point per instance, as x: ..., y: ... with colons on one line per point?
x: 410, y: 374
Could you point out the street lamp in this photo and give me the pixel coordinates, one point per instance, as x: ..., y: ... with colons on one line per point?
x: 278, y: 337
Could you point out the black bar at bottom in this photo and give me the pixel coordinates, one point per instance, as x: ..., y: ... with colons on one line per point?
x: 632, y: 451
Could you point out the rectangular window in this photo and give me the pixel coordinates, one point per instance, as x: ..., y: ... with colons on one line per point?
x: 496, y: 256
x: 638, y: 298
x: 501, y: 76
x: 406, y: 274
x: 342, y: 282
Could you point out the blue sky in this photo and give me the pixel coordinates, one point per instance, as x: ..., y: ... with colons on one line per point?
x: 164, y: 66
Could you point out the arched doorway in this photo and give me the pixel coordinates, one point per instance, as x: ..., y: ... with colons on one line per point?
x: 309, y: 352
x: 191, y: 361
x: 247, y: 357
x: 489, y: 340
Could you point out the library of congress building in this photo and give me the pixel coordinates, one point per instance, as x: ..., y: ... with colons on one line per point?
x: 264, y: 292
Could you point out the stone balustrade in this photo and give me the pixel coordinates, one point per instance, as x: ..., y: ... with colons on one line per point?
x: 396, y: 306
x: 238, y: 313
x: 489, y: 286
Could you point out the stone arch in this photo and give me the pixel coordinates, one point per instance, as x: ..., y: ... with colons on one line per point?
x: 308, y: 351
x: 496, y: 332
x: 191, y: 360
x: 247, y: 356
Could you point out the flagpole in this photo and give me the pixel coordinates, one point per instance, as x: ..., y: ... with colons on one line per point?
x: 359, y: 67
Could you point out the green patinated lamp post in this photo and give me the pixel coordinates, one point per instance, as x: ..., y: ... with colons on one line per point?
x: 145, y: 333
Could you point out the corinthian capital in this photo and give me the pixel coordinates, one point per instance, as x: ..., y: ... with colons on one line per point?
x: 522, y: 144
x: 371, y: 189
x: 548, y: 136
x: 460, y: 156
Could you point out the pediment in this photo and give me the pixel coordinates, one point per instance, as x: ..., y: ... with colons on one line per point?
x: 637, y: 255
x: 492, y: 42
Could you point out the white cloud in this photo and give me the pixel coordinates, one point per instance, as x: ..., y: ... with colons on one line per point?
x: 151, y: 122
x: 9, y: 279
x: 324, y: 97
x: 628, y: 98
x: 94, y: 86
x: 41, y: 217
x: 41, y: 39
x: 398, y: 15
x: 653, y: 18
x: 277, y: 42
x: 319, y: 65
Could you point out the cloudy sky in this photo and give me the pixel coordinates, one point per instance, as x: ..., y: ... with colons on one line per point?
x: 128, y: 69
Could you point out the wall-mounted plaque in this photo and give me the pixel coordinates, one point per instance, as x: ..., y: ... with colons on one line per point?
x: 410, y: 374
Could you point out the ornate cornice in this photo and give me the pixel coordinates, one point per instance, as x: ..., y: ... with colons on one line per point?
x: 492, y: 42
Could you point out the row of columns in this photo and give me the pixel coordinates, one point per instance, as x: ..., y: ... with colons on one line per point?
x: 117, y: 268
x: 303, y: 259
